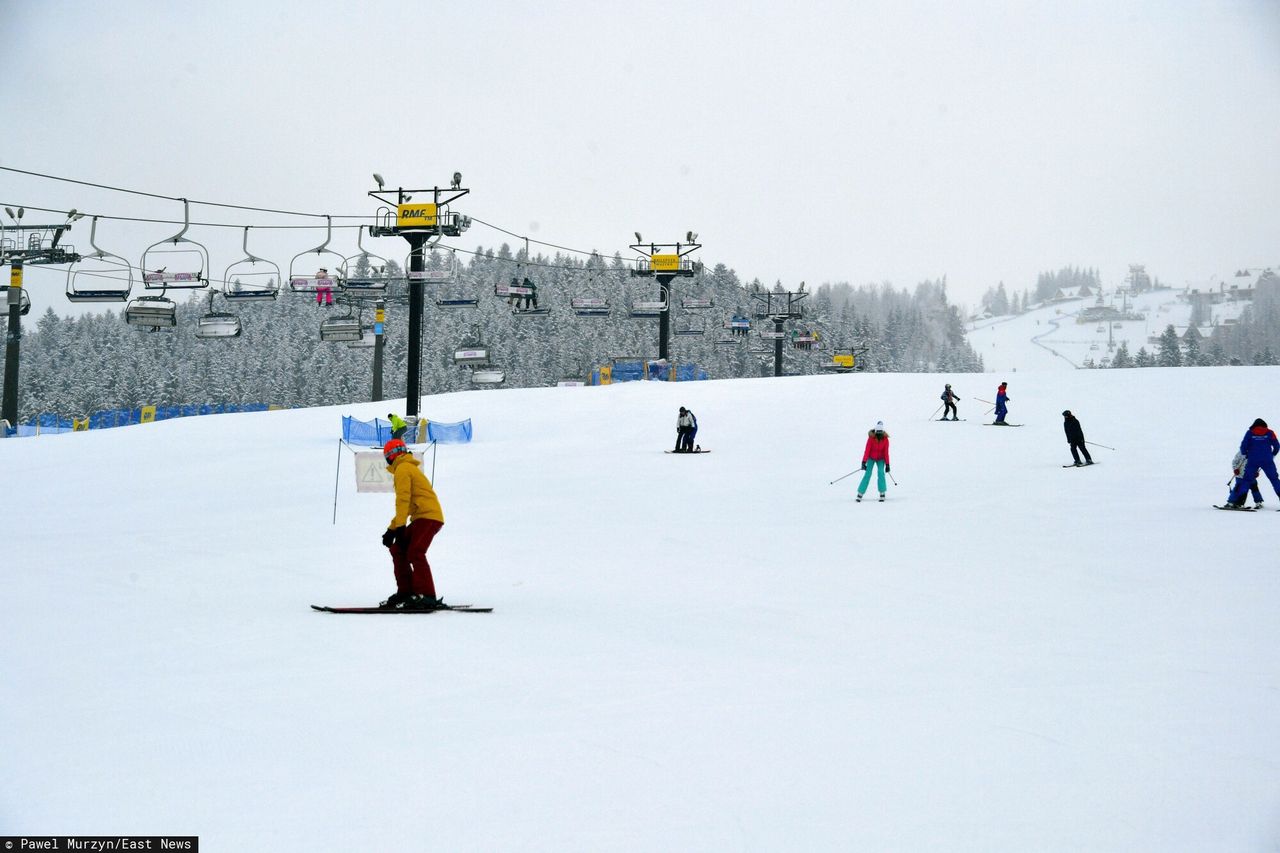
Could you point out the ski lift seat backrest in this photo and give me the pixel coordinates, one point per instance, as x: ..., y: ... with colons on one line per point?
x: 99, y: 276
x: 218, y: 325
x: 151, y: 312
x: 341, y: 329
x: 24, y: 304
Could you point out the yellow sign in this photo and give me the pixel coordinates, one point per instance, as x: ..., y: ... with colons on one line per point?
x: 606, y: 375
x: 843, y: 360
x: 416, y: 215
x: 664, y: 262
x: 15, y: 275
x: 148, y: 415
x: 80, y: 424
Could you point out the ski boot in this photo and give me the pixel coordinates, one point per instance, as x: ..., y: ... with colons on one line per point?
x: 395, y: 601
x: 882, y: 497
x: 858, y: 499
x: 423, y: 602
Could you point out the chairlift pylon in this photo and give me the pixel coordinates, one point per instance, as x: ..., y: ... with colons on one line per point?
x: 86, y: 285
x: 156, y: 261
x: 243, y: 280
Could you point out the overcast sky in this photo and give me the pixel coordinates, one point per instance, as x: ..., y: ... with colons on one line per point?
x: 855, y: 141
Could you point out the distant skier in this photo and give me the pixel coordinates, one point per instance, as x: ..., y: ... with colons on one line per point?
x: 1260, y: 447
x: 877, y: 453
x: 417, y: 520
x: 1238, y: 470
x: 1075, y: 438
x: 398, y: 425
x: 1002, y: 403
x: 949, y: 398
x: 686, y: 429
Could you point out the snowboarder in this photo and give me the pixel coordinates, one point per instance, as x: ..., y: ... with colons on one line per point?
x: 1075, y: 438
x: 949, y: 398
x: 1260, y: 447
x: 1238, y: 468
x: 686, y: 429
x: 1002, y: 403
x: 877, y: 453
x: 417, y: 520
x: 398, y: 425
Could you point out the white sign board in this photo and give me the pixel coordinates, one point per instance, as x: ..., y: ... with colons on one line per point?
x: 371, y: 472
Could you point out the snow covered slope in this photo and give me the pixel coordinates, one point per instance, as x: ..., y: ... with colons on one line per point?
x: 691, y: 653
x: 1050, y: 338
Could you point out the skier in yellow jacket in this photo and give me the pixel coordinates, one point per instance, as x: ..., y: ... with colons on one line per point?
x: 417, y: 521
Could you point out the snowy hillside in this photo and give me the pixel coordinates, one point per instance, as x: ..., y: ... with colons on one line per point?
x: 720, y: 652
x: 1050, y: 337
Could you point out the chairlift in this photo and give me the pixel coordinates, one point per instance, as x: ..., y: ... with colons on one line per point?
x: 251, y: 279
x: 451, y: 295
x: 322, y: 280
x: 522, y: 296
x: 696, y: 304
x: 487, y: 376
x: 690, y: 331
x: 472, y: 350
x: 24, y: 304
x: 591, y: 305
x: 728, y: 342
x: 367, y: 341
x: 648, y: 309
x: 156, y: 261
x: 89, y: 284
x: 365, y: 271
x: 217, y: 324
x: 152, y: 312
x: 342, y: 329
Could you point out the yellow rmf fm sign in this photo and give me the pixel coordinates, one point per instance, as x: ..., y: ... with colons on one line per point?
x: 842, y: 360
x: 416, y: 215
x: 664, y: 262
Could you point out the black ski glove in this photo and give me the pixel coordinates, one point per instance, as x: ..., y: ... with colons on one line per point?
x: 886, y: 469
x: 864, y: 467
x: 389, y: 537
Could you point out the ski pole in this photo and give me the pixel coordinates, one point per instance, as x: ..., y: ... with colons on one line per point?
x: 895, y: 482
x: 1095, y: 444
x: 838, y: 479
x: 980, y: 400
x: 935, y: 412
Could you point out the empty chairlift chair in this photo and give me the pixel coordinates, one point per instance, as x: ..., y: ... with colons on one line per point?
x: 99, y: 276
x: 365, y: 272
x: 217, y: 324
x: 251, y: 279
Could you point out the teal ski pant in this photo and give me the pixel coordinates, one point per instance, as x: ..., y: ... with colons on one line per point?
x: 876, y: 465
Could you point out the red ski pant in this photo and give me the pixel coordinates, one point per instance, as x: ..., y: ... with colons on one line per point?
x: 409, y: 557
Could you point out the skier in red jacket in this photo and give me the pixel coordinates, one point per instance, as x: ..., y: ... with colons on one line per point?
x: 877, y: 453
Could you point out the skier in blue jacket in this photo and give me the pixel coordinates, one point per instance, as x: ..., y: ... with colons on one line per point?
x: 1002, y: 403
x: 1260, y: 447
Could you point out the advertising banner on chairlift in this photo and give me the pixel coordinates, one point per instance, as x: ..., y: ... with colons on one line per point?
x: 372, y: 474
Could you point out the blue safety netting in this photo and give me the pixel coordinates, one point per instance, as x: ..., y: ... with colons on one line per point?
x: 49, y: 423
x: 457, y: 433
x: 690, y: 373
x: 375, y: 432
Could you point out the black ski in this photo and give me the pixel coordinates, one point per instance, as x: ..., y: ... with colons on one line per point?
x: 1234, y: 508
x: 953, y: 420
x: 686, y: 452
x: 1002, y: 424
x: 457, y: 608
x: 1081, y: 465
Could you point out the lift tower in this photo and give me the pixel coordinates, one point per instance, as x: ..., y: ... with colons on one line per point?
x: 665, y: 262
x: 21, y: 245
x: 423, y: 224
x: 778, y: 306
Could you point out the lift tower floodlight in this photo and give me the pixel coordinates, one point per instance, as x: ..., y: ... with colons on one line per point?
x: 778, y: 306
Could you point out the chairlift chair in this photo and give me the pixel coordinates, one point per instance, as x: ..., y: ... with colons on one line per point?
x: 152, y: 312
x: 342, y: 329
x: 472, y: 351
x: 648, y: 309
x: 365, y: 271
x: 696, y: 304
x: 690, y: 331
x: 217, y: 324
x: 251, y: 279
x: 322, y: 279
x: 450, y: 294
x: 487, y: 376
x: 90, y: 284
x: 367, y: 341
x: 156, y: 260
x: 589, y: 306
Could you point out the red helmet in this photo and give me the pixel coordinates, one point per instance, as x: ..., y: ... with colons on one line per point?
x: 392, y: 449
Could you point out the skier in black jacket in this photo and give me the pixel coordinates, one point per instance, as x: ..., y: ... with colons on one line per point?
x: 1075, y: 438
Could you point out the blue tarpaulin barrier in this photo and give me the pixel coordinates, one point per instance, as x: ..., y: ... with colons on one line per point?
x: 459, y: 433
x: 374, y: 433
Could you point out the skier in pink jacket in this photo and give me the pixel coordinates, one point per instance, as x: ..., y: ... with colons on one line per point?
x: 877, y: 453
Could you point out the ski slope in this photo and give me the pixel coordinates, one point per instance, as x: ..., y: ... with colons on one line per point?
x: 1049, y: 338
x: 717, y: 652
